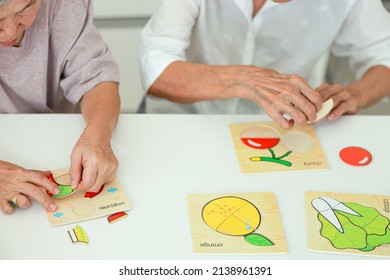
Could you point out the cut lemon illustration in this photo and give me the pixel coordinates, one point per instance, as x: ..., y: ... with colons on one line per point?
x: 235, y: 216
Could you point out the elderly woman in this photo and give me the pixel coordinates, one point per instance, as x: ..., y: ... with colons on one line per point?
x: 245, y: 56
x: 52, y: 59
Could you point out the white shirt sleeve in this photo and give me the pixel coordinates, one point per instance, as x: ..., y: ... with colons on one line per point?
x: 166, y: 37
x: 365, y: 36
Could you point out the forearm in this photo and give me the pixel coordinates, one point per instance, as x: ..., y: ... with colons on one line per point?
x: 372, y: 87
x: 93, y: 162
x: 100, y: 108
x: 186, y: 82
x: 276, y: 93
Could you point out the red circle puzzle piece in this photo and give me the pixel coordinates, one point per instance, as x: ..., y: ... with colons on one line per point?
x: 355, y: 156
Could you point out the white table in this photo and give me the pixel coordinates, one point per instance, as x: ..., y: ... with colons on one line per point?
x: 162, y: 159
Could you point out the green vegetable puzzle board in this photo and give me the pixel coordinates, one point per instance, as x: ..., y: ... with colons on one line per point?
x: 265, y: 147
x: 239, y: 223
x: 348, y: 223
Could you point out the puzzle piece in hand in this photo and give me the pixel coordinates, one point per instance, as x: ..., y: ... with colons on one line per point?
x: 81, y: 206
x: 65, y: 190
x: 327, y: 106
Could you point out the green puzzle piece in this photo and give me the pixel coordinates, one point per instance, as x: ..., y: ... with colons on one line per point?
x: 65, y: 190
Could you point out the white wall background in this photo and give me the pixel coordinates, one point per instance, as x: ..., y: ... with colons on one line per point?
x: 124, y: 8
x: 121, y: 21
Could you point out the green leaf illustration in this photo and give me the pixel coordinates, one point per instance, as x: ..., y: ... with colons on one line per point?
x: 353, y: 236
x: 376, y: 240
x: 364, y: 232
x: 368, y: 248
x: 371, y: 220
x: 258, y: 240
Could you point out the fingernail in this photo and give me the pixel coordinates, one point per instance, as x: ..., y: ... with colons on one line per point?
x: 56, y: 191
x: 74, y: 184
x: 53, y: 207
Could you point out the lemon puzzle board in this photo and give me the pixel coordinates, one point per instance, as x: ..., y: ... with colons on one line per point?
x: 265, y: 147
x: 239, y: 223
x: 348, y: 223
x: 79, y: 206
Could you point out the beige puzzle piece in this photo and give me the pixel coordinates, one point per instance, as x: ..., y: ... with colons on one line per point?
x: 327, y: 106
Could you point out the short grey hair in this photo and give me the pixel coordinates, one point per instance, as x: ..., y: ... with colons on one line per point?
x: 3, y: 2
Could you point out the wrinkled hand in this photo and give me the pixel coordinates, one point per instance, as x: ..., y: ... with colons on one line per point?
x: 93, y: 162
x: 345, y: 102
x: 27, y: 184
x: 279, y: 95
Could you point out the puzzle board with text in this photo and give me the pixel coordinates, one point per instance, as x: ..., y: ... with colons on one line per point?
x: 79, y: 206
x: 348, y: 223
x: 264, y: 147
x: 239, y: 223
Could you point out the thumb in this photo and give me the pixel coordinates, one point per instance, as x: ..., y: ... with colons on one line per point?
x: 76, y: 169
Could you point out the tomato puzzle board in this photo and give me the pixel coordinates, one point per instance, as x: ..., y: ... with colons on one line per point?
x: 238, y: 223
x: 78, y: 206
x: 265, y: 147
x: 355, y: 224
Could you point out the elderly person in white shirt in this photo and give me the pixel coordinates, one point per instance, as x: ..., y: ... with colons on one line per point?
x: 238, y: 56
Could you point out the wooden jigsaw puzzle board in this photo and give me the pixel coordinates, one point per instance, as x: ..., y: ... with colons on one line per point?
x: 306, y: 152
x: 318, y: 243
x: 208, y: 240
x: 75, y: 208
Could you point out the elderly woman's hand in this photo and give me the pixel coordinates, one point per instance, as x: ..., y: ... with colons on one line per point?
x: 19, y: 185
x: 345, y: 101
x: 285, y: 98
x: 93, y: 162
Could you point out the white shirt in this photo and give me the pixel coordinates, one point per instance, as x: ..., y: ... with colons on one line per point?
x: 287, y: 37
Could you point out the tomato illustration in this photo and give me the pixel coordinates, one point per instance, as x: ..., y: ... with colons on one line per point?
x: 260, y: 137
x: 264, y: 138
